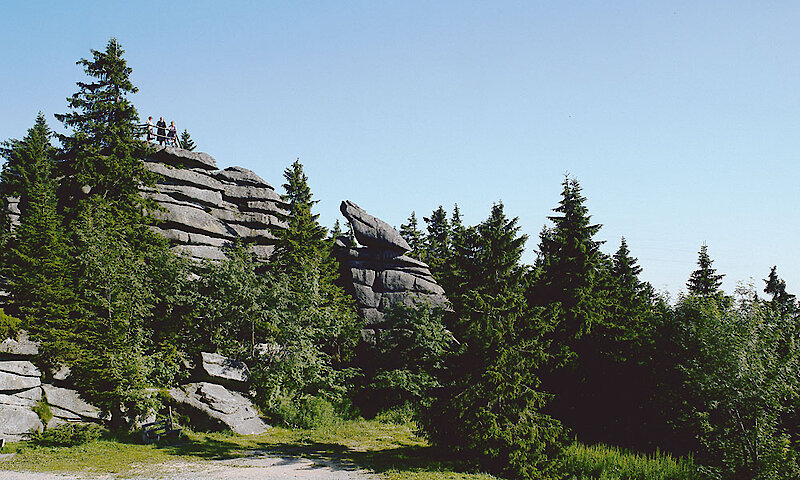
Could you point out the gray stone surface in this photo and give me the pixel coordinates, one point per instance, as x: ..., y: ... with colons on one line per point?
x: 221, y: 406
x: 227, y: 371
x: 16, y: 421
x: 25, y: 398
x: 192, y: 219
x: 22, y: 346
x: 185, y: 176
x: 202, y: 209
x: 67, y: 404
x: 185, y: 158
x: 241, y: 176
x: 380, y: 277
x: 16, y: 375
x: 371, y: 231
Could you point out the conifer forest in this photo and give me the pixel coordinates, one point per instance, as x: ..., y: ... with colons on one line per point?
x: 525, y: 360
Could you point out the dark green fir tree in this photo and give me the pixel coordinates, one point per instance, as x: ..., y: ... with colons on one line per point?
x: 36, y: 263
x: 103, y: 154
x: 783, y: 301
x: 705, y: 281
x: 186, y: 141
x: 413, y: 235
x: 437, y: 241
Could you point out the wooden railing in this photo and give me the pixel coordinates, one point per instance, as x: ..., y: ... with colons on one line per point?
x: 152, y: 136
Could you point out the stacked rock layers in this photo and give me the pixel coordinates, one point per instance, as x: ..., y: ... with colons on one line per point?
x: 380, y: 274
x: 205, y: 209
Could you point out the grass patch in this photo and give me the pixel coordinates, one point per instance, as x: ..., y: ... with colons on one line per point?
x: 393, y: 450
x: 600, y: 462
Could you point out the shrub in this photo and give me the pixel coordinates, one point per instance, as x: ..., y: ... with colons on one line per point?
x: 308, y: 412
x: 9, y: 326
x: 601, y: 462
x: 66, y: 435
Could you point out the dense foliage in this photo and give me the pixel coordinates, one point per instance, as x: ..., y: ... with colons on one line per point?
x: 525, y: 357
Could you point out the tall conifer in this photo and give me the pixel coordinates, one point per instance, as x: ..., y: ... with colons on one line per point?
x: 705, y: 281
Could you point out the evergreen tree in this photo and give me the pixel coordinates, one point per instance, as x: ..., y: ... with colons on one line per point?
x: 491, y: 406
x: 570, y: 267
x: 704, y: 281
x: 186, y: 141
x: 36, y: 263
x: 104, y: 152
x: 411, y: 233
x: 437, y: 241
x: 783, y: 301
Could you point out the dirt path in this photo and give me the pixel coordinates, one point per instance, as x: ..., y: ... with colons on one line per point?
x: 256, y: 467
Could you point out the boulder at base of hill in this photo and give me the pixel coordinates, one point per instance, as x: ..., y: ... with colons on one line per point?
x: 213, y: 406
x: 16, y: 421
x: 224, y: 370
x: 67, y: 406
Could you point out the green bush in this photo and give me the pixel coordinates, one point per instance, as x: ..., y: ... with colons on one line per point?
x: 308, y: 412
x: 9, y: 326
x: 66, y: 435
x: 597, y: 462
x: 42, y: 409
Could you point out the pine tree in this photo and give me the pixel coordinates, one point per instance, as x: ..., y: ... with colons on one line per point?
x: 785, y: 302
x: 104, y: 152
x: 186, y: 141
x: 36, y: 262
x: 437, y: 241
x: 490, y: 407
x: 570, y: 266
x: 704, y: 281
x: 411, y: 233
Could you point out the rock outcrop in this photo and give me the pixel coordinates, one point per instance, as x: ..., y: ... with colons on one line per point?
x: 22, y: 389
x: 223, y: 370
x: 379, y: 275
x: 210, y: 405
x: 204, y: 209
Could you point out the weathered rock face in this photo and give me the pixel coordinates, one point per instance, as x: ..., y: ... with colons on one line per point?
x: 223, y: 370
x: 379, y: 275
x: 21, y: 389
x: 215, y: 406
x: 205, y: 209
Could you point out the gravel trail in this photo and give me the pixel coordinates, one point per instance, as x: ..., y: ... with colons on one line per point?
x: 257, y: 467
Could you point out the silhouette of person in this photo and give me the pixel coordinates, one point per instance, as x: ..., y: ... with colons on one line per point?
x: 171, y: 135
x: 150, y: 129
x: 162, y: 130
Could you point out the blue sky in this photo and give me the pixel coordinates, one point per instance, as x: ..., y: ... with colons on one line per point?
x: 679, y: 119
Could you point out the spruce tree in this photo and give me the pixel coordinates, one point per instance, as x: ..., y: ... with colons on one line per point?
x: 36, y: 262
x: 103, y: 152
x: 437, y: 241
x: 570, y: 266
x: 705, y: 281
x: 186, y: 141
x: 491, y: 406
x: 411, y: 233
x: 783, y: 301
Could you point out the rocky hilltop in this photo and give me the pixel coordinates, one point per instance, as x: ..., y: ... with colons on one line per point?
x: 205, y: 208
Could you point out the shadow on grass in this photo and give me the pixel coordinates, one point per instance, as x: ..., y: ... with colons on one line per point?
x: 329, y: 455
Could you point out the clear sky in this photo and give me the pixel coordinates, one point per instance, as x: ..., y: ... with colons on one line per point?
x: 679, y: 119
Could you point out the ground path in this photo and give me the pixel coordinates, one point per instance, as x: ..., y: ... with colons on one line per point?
x: 258, y: 466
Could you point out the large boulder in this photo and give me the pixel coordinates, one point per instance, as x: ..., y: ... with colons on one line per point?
x: 371, y: 231
x: 67, y: 406
x: 184, y: 158
x: 224, y: 370
x: 22, y: 346
x: 212, y: 405
x: 16, y: 375
x: 16, y: 421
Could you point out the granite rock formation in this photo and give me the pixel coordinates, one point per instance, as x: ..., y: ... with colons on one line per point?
x: 379, y: 275
x: 204, y: 208
x: 22, y: 388
x: 210, y: 405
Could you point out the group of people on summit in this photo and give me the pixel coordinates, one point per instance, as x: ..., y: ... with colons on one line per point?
x: 161, y: 133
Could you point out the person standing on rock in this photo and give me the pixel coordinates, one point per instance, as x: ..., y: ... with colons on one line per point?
x: 171, y: 136
x: 162, y: 130
x: 150, y: 129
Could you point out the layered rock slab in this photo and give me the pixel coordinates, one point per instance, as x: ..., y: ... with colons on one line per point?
x: 214, y: 405
x: 202, y: 209
x: 379, y: 275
